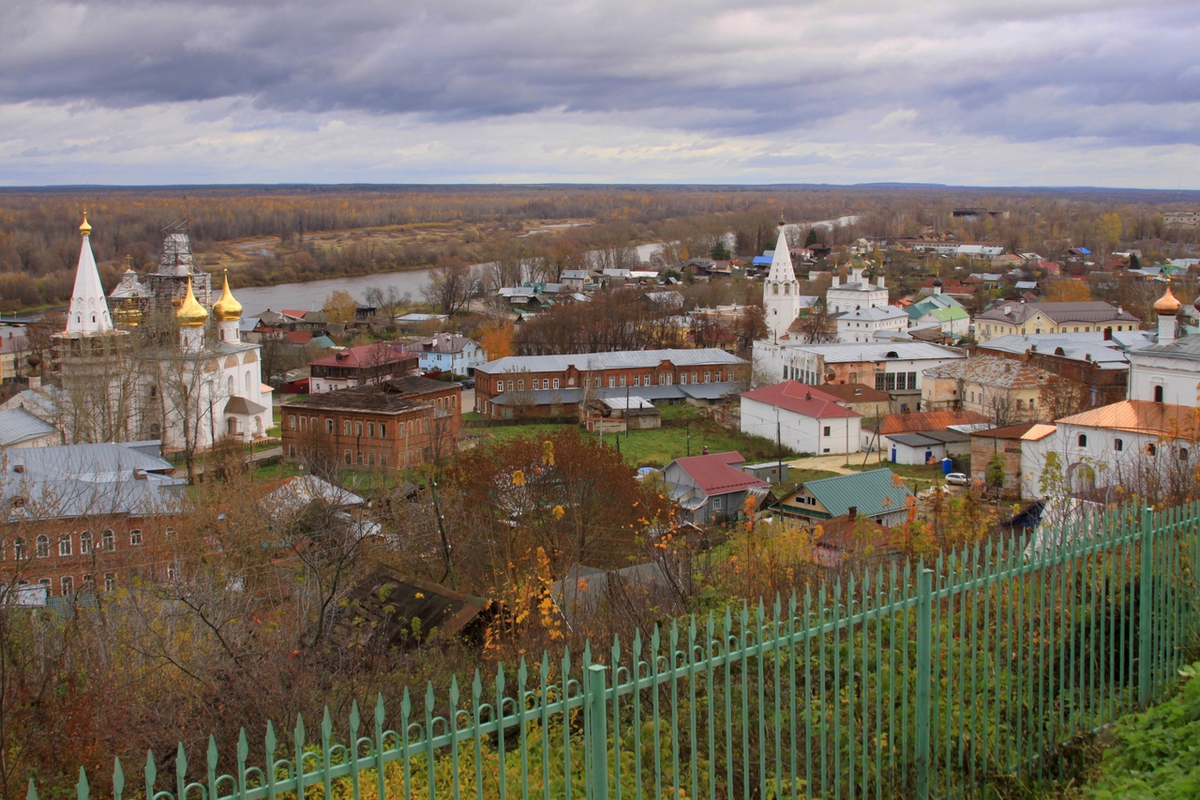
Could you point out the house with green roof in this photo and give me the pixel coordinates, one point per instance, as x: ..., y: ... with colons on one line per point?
x: 878, y: 495
x: 940, y: 311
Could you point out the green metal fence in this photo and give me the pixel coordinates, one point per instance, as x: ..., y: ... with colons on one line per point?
x: 909, y: 682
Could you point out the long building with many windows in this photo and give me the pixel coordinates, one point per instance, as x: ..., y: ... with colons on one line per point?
x: 519, y: 386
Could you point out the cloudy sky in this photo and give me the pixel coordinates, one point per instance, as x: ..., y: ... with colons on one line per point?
x: 973, y: 92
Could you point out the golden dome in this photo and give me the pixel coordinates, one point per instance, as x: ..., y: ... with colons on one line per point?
x: 191, y: 314
x: 227, y: 308
x: 85, y: 228
x: 1167, y: 304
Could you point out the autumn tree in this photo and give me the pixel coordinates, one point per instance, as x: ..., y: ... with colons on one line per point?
x: 817, y: 326
x: 497, y: 340
x: 340, y: 307
x: 1067, y: 290
x: 1061, y: 397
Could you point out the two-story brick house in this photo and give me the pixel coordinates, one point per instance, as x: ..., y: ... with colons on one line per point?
x: 396, y: 424
x: 86, y: 518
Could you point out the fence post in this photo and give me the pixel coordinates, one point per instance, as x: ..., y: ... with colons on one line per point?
x: 1145, y: 601
x: 598, y: 733
x: 924, y: 678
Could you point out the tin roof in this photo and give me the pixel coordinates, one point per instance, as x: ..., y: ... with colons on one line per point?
x: 801, y: 399
x: 872, y: 493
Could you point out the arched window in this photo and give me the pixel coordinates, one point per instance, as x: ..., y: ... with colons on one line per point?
x: 1158, y: 393
x: 135, y: 536
x: 68, y: 586
x: 64, y: 544
x: 247, y: 383
x: 1183, y: 454
x: 108, y: 541
x: 1151, y: 449
x: 43, y: 546
x: 110, y: 581
x: 1118, y: 445
x: 1083, y: 440
x: 775, y: 288
x: 19, y: 549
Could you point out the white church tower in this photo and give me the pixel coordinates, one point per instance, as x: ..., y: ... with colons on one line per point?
x: 781, y: 292
x: 89, y: 309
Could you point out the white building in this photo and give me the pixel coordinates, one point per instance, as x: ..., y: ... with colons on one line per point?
x: 113, y: 387
x: 887, y: 366
x: 1168, y: 371
x: 856, y: 293
x: 862, y: 324
x: 801, y: 418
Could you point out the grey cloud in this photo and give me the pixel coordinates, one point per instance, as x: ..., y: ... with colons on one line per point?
x: 1014, y: 70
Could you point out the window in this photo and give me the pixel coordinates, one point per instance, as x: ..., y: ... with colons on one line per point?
x: 1031, y: 403
x: 19, y: 549
x: 345, y: 427
x: 370, y: 459
x: 43, y: 546
x: 291, y: 451
x: 371, y: 430
x: 383, y: 459
x: 545, y: 384
x: 637, y: 380
x: 170, y: 572
x: 135, y: 537
x: 291, y: 422
x: 347, y: 456
x: 1158, y: 393
x: 622, y: 380
x: 646, y: 379
x: 556, y: 383
x: 110, y: 582
x: 1151, y: 450
x: 1083, y: 440
x: 1118, y: 445
x: 827, y: 430
x: 708, y: 377
x: 88, y: 583
x: 64, y: 544
x: 520, y: 385
x: 383, y: 430
x: 358, y: 429
x: 358, y: 459
x: 329, y: 426
x: 683, y: 377
x: 612, y: 381
x: 108, y: 541
x: 68, y: 586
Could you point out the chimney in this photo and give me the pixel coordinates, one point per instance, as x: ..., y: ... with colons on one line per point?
x: 1108, y: 333
x: 1008, y: 309
x: 852, y: 513
x: 808, y: 395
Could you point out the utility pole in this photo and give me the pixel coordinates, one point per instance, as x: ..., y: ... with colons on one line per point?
x: 778, y: 447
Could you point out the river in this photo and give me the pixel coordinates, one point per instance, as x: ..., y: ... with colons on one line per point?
x: 311, y: 295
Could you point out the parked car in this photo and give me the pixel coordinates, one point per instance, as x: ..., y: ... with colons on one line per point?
x: 957, y: 478
x: 468, y: 384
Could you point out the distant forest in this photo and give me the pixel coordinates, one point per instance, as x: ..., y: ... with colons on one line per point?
x: 298, y: 233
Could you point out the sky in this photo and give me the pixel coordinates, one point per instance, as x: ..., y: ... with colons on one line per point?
x: 962, y: 92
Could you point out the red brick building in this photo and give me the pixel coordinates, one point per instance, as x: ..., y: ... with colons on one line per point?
x: 86, y: 518
x: 397, y: 424
x: 556, y: 384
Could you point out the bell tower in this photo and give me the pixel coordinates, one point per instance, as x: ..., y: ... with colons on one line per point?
x: 781, y: 291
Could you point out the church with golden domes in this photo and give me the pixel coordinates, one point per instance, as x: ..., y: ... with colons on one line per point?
x: 190, y: 382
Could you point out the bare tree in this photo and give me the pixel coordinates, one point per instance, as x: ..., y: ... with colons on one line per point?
x: 451, y: 287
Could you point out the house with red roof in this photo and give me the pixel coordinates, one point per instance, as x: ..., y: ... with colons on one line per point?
x: 712, y: 488
x: 801, y: 418
x: 358, y: 366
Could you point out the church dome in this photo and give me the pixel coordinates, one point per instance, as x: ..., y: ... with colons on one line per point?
x: 85, y: 228
x: 1167, y: 304
x: 937, y: 282
x: 191, y: 314
x: 227, y: 308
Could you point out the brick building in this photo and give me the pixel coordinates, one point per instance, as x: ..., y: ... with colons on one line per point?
x: 86, y: 518
x: 396, y: 424
x: 532, y: 385
x: 357, y: 366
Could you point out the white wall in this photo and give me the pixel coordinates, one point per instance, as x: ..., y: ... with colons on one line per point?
x: 799, y: 433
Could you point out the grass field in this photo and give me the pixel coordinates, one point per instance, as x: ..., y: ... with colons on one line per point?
x: 684, y: 432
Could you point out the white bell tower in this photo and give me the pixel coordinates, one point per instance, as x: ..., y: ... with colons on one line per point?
x: 781, y: 291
